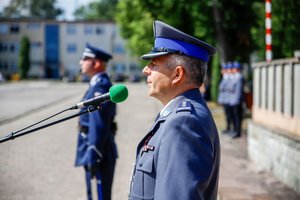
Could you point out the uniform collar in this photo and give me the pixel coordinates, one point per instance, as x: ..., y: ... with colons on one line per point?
x: 163, y: 111
x: 226, y: 76
x: 96, y: 78
x: 174, y: 103
x: 237, y: 75
x: 193, y: 94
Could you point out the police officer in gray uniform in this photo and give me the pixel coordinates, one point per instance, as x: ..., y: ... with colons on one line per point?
x: 223, y: 97
x: 236, y: 98
x: 96, y: 148
x: 179, y: 157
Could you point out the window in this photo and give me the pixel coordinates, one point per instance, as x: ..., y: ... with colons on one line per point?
x: 13, y: 66
x: 14, y: 28
x: 118, y: 49
x: 5, y: 66
x: 134, y: 67
x: 35, y: 45
x: 12, y: 47
x: 71, y: 29
x: 119, y: 67
x: 3, y: 47
x: 88, y: 29
x: 99, y: 30
x: 4, y: 28
x: 71, y: 48
x: 34, y: 25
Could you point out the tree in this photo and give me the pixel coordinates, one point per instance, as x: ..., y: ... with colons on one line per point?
x: 225, y: 24
x: 233, y: 23
x: 24, y: 57
x: 285, y: 33
x: 97, y: 10
x: 236, y: 28
x: 32, y: 8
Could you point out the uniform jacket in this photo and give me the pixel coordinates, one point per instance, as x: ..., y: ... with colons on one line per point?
x: 179, y: 157
x: 223, y: 90
x: 236, y: 89
x: 97, y: 145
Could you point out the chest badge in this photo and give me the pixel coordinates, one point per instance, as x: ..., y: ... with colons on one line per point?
x: 97, y: 94
x: 147, y: 148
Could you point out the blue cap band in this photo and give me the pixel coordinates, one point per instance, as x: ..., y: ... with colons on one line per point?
x: 186, y: 48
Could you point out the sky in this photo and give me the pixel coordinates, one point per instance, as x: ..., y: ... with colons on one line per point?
x: 68, y: 6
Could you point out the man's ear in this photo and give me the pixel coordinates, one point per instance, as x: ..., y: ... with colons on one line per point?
x: 178, y: 74
x: 99, y: 65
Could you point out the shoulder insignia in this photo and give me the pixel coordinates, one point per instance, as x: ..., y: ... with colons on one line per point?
x: 184, y: 106
x: 97, y: 94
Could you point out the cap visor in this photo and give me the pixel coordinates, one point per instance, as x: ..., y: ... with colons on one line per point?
x: 151, y: 55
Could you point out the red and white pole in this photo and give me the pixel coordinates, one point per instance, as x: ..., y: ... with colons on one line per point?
x: 268, y: 31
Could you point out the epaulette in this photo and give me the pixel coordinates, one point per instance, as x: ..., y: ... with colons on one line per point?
x: 185, y: 106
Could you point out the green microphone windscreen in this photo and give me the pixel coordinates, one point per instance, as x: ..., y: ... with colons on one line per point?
x: 118, y: 93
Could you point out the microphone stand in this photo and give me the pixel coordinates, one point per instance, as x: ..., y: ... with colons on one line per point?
x: 12, y: 135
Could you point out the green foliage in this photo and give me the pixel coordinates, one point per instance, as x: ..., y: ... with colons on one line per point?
x: 236, y: 20
x: 215, y: 78
x: 135, y: 18
x: 97, y: 10
x: 44, y: 9
x: 24, y: 57
x: 197, y: 18
x: 258, y: 30
x: 285, y: 33
x: 135, y: 25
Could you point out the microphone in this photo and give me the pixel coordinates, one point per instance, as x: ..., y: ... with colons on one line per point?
x: 117, y: 94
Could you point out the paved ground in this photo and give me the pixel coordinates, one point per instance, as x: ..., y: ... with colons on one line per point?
x: 22, y: 98
x: 40, y: 165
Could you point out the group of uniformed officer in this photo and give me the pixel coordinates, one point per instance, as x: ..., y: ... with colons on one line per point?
x: 231, y: 97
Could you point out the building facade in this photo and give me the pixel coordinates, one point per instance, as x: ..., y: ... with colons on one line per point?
x: 56, y: 47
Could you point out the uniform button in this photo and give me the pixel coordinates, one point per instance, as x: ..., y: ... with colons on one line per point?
x: 140, y: 164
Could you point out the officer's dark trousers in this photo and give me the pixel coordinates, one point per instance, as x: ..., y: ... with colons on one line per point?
x: 237, y: 115
x: 106, y: 173
x: 228, y: 116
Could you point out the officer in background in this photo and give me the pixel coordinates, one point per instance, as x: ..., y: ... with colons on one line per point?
x: 223, y: 97
x: 236, y: 98
x: 179, y: 157
x: 96, y: 149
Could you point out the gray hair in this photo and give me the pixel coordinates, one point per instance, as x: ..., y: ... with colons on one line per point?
x: 195, y: 69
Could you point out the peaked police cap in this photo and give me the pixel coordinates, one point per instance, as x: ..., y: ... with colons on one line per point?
x: 93, y: 52
x: 171, y: 40
x: 236, y: 65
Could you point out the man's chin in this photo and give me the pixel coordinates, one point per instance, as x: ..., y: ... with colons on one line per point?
x: 150, y: 93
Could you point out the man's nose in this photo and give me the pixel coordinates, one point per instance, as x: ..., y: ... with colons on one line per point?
x: 146, y: 70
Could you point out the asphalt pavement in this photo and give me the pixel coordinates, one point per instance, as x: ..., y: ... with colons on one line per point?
x: 40, y: 165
